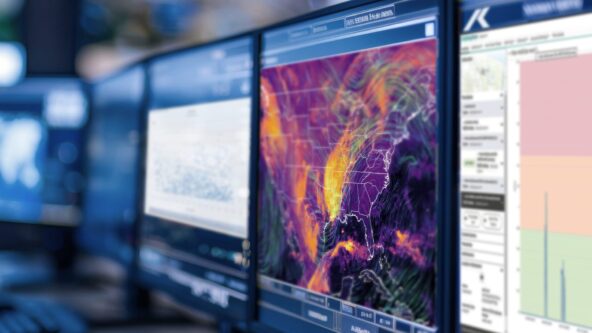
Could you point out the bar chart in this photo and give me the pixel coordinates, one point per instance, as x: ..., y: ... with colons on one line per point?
x: 556, y: 192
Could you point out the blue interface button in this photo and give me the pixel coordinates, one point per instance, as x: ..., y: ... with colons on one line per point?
x: 421, y: 330
x: 237, y: 285
x: 300, y: 33
x: 318, y: 315
x: 299, y: 294
x: 325, y: 27
x: 365, y: 314
x: 334, y: 304
x: 402, y: 327
x: 286, y: 289
x: 384, y: 321
x: 353, y: 325
x: 347, y: 309
x: 314, y: 298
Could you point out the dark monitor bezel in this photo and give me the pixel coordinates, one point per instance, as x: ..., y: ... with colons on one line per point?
x: 90, y: 87
x: 167, y: 287
x: 447, y: 97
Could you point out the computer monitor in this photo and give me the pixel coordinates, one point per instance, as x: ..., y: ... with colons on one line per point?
x: 113, y: 165
x: 526, y: 166
x: 194, y: 238
x: 41, y: 135
x: 349, y: 193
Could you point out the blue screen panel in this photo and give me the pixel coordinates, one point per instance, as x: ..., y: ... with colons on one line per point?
x: 41, y: 135
x: 194, y: 240
x: 113, y: 148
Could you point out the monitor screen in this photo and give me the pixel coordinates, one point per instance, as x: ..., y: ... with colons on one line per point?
x: 41, y: 122
x: 347, y: 171
x: 112, y: 165
x: 526, y: 166
x: 195, y: 235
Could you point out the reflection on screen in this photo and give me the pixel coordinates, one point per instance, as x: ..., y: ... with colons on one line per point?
x: 526, y: 170
x: 347, y: 195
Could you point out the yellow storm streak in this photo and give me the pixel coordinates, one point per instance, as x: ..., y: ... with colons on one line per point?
x: 309, y: 227
x: 335, y: 169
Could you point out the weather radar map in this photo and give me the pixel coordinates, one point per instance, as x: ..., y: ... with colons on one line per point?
x: 347, y: 203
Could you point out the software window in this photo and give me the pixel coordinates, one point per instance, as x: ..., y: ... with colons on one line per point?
x: 527, y: 176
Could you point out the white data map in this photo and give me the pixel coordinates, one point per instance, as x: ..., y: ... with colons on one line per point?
x: 198, y: 165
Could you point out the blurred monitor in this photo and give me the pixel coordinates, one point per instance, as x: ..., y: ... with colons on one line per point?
x: 347, y: 216
x: 112, y: 165
x: 41, y: 137
x: 526, y: 166
x: 194, y: 239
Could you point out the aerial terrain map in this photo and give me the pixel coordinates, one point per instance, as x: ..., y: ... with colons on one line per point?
x: 347, y: 177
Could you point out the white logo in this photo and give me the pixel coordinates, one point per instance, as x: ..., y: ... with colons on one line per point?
x: 478, y: 16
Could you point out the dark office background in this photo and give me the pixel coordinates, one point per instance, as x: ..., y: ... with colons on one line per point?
x: 92, y: 38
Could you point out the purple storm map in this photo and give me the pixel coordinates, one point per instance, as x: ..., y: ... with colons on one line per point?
x: 347, y: 177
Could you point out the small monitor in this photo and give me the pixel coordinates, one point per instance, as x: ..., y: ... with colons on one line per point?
x: 526, y: 166
x: 348, y: 182
x: 194, y: 239
x: 112, y: 165
x: 41, y: 136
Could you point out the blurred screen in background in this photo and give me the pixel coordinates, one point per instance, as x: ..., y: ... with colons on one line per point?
x: 93, y: 38
x: 119, y: 32
x: 41, y: 136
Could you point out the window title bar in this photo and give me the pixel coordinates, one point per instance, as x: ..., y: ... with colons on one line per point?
x: 202, y: 74
x: 389, y: 22
x: 480, y: 15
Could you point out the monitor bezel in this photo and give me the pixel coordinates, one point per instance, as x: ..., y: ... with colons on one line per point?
x: 146, y: 279
x: 91, y: 86
x: 447, y: 283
